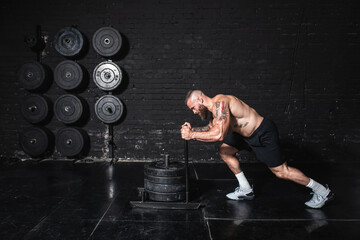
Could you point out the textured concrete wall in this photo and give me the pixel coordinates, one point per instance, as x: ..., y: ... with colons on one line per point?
x: 293, y: 61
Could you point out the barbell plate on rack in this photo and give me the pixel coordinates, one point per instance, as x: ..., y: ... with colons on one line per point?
x: 158, y: 168
x: 107, y: 75
x: 109, y: 109
x: 71, y: 141
x: 68, y: 109
x: 107, y: 41
x: 68, y: 75
x: 32, y: 75
x: 35, y: 43
x: 69, y: 41
x: 35, y: 108
x: 30, y: 41
x: 35, y: 141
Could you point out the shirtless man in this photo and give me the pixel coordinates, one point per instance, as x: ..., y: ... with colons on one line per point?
x: 241, y: 127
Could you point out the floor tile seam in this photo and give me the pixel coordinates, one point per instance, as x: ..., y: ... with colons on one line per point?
x: 209, y: 230
x: 102, y: 217
x: 43, y: 219
x: 207, y: 223
x: 195, y: 172
x: 282, y: 219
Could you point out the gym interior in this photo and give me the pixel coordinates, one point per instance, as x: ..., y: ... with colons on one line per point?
x: 92, y: 106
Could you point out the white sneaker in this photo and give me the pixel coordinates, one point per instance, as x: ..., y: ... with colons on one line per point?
x: 240, y: 194
x: 317, y: 201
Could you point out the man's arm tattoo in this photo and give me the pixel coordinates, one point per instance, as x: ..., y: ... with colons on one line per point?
x: 201, y: 129
x: 221, y: 110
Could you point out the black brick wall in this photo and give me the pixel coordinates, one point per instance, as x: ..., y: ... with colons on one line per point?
x: 296, y: 62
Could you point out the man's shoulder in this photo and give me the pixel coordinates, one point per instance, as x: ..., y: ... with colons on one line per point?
x: 222, y: 97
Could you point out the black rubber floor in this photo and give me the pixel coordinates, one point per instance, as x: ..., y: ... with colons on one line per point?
x: 62, y: 200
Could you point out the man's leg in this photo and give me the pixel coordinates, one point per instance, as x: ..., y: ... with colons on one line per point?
x: 244, y: 191
x: 227, y: 153
x: 289, y: 173
x: 321, y: 194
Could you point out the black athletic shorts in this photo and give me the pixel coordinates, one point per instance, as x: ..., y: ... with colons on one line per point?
x: 264, y: 142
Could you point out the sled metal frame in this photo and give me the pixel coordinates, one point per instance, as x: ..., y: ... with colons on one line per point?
x: 186, y: 205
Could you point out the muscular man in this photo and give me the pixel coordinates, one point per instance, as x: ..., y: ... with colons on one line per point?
x: 241, y: 127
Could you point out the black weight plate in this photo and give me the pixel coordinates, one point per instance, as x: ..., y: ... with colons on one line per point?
x: 70, y: 141
x: 30, y: 41
x: 107, y: 41
x: 165, y: 180
x: 32, y: 75
x: 35, y: 108
x: 107, y: 75
x: 166, y: 197
x: 68, y: 41
x: 68, y: 75
x: 109, y: 109
x: 68, y: 109
x: 34, y: 43
x: 158, y: 168
x: 163, y: 188
x: 35, y: 141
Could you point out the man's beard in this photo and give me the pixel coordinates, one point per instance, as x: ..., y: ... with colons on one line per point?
x: 203, y: 112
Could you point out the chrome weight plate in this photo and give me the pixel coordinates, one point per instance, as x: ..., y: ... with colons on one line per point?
x: 107, y: 75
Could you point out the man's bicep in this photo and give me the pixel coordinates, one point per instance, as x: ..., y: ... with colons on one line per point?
x: 222, y: 116
x: 222, y: 110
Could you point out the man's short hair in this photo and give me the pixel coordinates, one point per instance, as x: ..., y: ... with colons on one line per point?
x: 191, y: 93
x: 188, y: 95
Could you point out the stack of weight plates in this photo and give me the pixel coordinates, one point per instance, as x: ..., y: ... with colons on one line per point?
x: 165, y: 183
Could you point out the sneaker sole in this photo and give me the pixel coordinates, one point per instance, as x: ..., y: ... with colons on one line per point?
x: 248, y: 198
x: 330, y: 197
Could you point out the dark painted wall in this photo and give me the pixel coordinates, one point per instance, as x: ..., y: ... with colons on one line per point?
x: 296, y: 62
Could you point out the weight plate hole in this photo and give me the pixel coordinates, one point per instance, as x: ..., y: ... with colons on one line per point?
x: 67, y: 109
x: 109, y: 109
x: 68, y: 142
x: 32, y: 108
x: 107, y: 75
x: 30, y: 40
